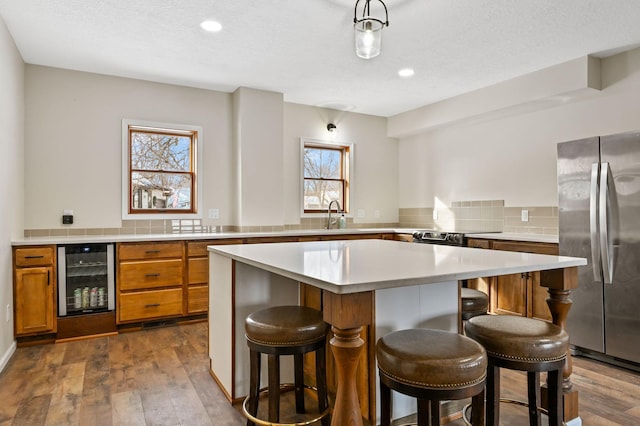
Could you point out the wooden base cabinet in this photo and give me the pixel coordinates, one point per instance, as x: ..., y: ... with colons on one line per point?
x: 515, y: 294
x: 198, y: 273
x: 34, y: 290
x: 150, y: 281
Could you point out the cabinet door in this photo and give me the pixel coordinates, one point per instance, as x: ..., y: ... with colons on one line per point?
x: 198, y: 270
x: 34, y: 294
x: 197, y: 298
x: 531, y: 299
x: 510, y: 295
x: 537, y: 297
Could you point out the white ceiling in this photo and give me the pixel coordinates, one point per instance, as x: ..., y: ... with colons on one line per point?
x: 305, y: 49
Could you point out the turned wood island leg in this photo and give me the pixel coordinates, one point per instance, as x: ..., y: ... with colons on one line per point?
x: 559, y: 283
x: 346, y: 346
x: 347, y: 313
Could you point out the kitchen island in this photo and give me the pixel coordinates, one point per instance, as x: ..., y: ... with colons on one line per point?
x: 361, y: 283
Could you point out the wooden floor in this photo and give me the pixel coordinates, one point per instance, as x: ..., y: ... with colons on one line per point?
x: 160, y: 377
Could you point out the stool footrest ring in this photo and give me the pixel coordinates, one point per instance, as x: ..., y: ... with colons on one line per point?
x: 465, y: 417
x: 285, y: 387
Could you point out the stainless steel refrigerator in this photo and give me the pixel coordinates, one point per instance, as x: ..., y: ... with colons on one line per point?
x: 599, y: 219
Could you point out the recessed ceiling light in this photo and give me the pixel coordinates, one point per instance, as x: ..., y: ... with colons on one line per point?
x: 406, y: 72
x: 211, y: 26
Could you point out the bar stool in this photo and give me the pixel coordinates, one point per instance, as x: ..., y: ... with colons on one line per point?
x: 474, y: 303
x: 432, y: 366
x: 285, y: 330
x: 523, y: 344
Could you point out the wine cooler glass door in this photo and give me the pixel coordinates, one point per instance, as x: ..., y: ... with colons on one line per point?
x: 85, y: 273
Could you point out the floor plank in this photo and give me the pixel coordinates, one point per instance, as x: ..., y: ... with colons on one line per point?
x: 160, y: 376
x: 127, y: 409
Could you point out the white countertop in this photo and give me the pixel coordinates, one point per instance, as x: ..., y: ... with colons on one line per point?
x: 83, y: 239
x: 120, y: 238
x: 363, y: 265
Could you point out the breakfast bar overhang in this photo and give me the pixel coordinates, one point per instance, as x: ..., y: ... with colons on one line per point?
x: 355, y: 278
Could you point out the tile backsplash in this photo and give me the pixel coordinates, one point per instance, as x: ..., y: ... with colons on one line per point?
x: 462, y: 216
x: 482, y: 216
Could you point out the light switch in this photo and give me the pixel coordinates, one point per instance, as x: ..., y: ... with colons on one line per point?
x: 524, y: 216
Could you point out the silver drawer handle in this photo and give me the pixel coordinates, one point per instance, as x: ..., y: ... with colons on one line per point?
x: 152, y: 305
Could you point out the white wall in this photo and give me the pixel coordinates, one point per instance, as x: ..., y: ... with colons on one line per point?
x: 514, y: 158
x: 73, y: 149
x: 258, y: 162
x: 375, y: 172
x: 73, y: 142
x: 11, y: 177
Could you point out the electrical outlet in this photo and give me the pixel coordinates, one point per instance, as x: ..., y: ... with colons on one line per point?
x: 9, y: 312
x: 214, y: 214
x: 524, y: 216
x: 376, y: 214
x: 360, y: 212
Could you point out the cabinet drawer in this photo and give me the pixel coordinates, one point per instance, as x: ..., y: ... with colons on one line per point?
x: 150, y: 250
x: 150, y: 304
x: 199, y: 270
x: 199, y: 248
x: 34, y: 256
x: 539, y: 248
x: 149, y: 274
x: 197, y: 299
x: 485, y: 244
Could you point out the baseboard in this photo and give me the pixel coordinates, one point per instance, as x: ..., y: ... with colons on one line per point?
x: 7, y: 356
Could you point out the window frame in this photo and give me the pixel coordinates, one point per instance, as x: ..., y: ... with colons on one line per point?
x: 347, y: 149
x: 196, y: 159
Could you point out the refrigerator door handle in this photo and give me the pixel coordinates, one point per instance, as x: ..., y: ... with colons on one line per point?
x: 605, y: 249
x: 593, y: 223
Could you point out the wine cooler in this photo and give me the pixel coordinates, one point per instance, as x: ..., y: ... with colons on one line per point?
x: 85, y: 279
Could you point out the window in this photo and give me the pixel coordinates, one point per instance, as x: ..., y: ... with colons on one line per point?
x: 325, y: 175
x: 160, y: 164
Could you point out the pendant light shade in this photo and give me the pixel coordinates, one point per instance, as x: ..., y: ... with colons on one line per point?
x: 368, y: 29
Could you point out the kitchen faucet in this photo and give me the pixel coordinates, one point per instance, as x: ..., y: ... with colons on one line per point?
x: 338, y: 210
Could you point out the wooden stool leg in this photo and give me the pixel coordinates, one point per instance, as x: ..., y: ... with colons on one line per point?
x: 556, y: 412
x: 321, y: 383
x: 424, y: 412
x: 298, y: 367
x: 385, y: 405
x: 435, y: 412
x: 477, y: 409
x: 533, y: 392
x: 274, y: 388
x: 493, y: 393
x: 254, y: 384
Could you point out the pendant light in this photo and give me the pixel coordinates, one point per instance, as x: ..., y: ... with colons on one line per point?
x: 368, y: 29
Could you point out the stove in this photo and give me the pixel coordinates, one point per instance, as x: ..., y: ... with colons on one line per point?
x: 440, y: 237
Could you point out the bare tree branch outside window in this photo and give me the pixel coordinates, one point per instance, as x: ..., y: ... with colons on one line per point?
x: 161, y: 170
x: 324, y: 178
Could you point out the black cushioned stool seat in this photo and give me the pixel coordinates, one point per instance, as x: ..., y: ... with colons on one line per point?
x: 431, y: 365
x: 474, y: 303
x: 524, y: 344
x: 285, y: 330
